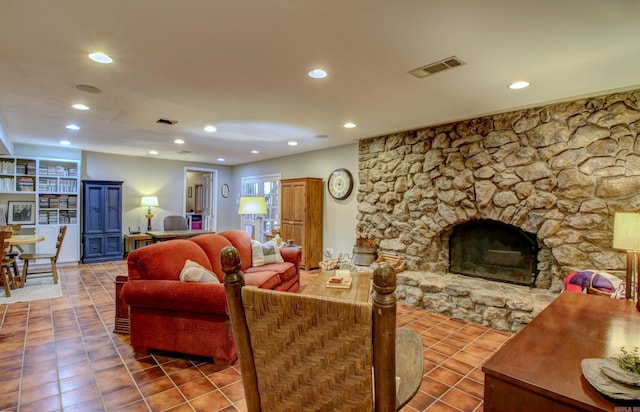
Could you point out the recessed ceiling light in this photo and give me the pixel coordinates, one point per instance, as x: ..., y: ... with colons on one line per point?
x: 72, y: 127
x: 255, y: 152
x: 209, y: 128
x: 349, y: 125
x: 178, y: 141
x: 80, y: 106
x: 100, y: 58
x: 65, y: 142
x: 292, y: 143
x: 317, y: 74
x: 153, y: 152
x: 518, y: 85
x: 221, y: 159
x: 87, y: 88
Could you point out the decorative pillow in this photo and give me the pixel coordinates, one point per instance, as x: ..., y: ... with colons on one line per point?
x: 262, y: 254
x: 193, y: 272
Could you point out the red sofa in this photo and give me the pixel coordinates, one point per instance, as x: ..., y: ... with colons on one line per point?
x: 187, y: 317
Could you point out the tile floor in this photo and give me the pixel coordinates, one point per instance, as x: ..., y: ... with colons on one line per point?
x: 60, y: 354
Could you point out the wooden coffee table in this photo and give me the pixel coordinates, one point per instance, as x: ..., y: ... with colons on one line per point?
x: 359, y: 291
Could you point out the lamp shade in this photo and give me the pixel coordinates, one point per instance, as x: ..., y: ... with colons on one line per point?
x: 149, y: 201
x: 252, y: 205
x: 626, y: 231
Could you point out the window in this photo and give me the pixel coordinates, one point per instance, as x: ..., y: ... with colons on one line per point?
x: 269, y: 187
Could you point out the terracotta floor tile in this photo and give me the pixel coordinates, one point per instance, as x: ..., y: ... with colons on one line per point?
x: 156, y: 386
x: 75, y: 382
x: 139, y: 406
x: 433, y: 387
x: 197, y: 388
x: 165, y: 400
x: 51, y: 403
x: 33, y: 393
x: 421, y: 401
x: 444, y: 349
x: 210, y: 402
x: 434, y: 357
x: 234, y: 392
x: 445, y: 376
x: 457, y: 366
x: 86, y: 406
x: 114, y: 384
x: 186, y: 375
x: 79, y: 395
x: 439, y: 406
x: 471, y: 387
x: 461, y: 400
x: 122, y: 397
x: 225, y: 377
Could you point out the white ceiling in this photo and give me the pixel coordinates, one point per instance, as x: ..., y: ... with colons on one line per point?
x: 241, y: 65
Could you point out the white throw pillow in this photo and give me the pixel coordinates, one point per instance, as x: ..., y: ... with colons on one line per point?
x: 262, y: 254
x: 193, y: 272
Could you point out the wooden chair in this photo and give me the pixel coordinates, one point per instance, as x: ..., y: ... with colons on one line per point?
x: 51, y: 257
x: 13, y: 251
x: 175, y: 223
x: 5, y: 275
x: 304, y: 352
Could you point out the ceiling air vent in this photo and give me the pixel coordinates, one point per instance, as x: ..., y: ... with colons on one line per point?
x: 166, y: 121
x: 433, y: 68
x: 184, y: 152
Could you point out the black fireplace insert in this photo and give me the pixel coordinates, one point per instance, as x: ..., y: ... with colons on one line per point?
x: 494, y: 250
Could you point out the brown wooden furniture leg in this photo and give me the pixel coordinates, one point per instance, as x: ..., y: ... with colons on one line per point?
x: 122, y: 309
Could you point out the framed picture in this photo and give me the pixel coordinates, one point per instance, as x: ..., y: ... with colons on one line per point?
x: 189, y: 192
x: 22, y: 212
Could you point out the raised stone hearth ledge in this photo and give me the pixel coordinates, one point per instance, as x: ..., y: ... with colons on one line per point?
x: 497, y: 305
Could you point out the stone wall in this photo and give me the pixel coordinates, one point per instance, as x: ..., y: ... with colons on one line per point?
x: 559, y: 171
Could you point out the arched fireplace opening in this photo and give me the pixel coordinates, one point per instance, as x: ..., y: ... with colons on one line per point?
x: 494, y: 250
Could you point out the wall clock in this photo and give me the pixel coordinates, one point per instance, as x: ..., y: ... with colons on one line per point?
x: 340, y: 184
x: 224, y: 191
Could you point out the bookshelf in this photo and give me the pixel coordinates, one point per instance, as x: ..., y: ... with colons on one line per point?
x: 53, y: 185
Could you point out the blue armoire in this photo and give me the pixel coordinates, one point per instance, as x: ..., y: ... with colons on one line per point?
x: 101, y: 220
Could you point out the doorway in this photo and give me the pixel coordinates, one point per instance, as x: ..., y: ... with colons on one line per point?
x: 200, y: 205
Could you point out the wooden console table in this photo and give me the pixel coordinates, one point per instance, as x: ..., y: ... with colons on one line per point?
x: 159, y: 236
x: 539, y: 368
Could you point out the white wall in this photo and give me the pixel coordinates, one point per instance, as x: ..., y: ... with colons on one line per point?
x: 339, y: 216
x: 144, y: 176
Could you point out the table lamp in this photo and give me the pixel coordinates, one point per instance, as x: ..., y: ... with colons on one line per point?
x: 148, y: 201
x: 626, y: 236
x: 253, y: 205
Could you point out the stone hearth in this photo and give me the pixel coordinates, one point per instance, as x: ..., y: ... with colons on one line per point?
x: 559, y: 172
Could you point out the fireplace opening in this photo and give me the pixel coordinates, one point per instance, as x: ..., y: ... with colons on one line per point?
x: 494, y: 250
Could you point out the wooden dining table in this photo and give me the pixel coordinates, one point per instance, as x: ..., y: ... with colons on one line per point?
x: 23, y: 239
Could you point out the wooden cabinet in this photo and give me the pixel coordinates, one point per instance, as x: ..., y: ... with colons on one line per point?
x: 101, y: 220
x: 302, y: 217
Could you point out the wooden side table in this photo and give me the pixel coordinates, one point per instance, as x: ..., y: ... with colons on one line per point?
x: 122, y: 309
x: 137, y: 240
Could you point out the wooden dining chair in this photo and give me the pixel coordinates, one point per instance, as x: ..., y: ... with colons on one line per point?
x: 5, y: 269
x: 12, y: 251
x: 304, y: 352
x: 51, y: 270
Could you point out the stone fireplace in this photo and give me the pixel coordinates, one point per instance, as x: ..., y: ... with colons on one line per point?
x: 557, y: 173
x: 495, y: 251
